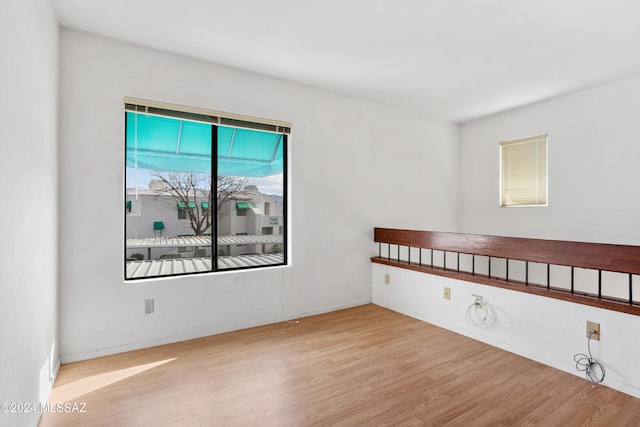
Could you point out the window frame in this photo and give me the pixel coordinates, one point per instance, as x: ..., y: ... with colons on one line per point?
x: 215, y: 119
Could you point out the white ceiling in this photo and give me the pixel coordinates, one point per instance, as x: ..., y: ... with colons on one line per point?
x: 454, y: 59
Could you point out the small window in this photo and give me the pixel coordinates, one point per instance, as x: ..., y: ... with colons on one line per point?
x: 267, y: 208
x: 523, y: 172
x: 182, y: 210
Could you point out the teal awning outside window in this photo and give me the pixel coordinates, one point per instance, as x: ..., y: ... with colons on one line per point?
x: 158, y: 225
x: 128, y: 205
x: 205, y: 205
x: 242, y: 205
x: 182, y: 205
x: 244, y: 152
x: 165, y: 144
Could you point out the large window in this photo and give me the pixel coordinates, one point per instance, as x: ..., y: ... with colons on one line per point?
x: 199, y: 178
x: 523, y: 172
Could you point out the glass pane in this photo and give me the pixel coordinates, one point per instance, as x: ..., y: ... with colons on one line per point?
x: 168, y: 196
x: 250, y: 198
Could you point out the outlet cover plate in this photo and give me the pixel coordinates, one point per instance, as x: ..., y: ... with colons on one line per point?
x: 148, y: 306
x: 596, y: 328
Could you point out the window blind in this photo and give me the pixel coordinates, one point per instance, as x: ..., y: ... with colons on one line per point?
x: 203, y: 115
x: 524, y: 172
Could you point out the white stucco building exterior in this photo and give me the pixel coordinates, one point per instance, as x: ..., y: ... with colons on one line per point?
x: 150, y: 213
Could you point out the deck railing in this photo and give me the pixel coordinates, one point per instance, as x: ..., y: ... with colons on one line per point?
x: 595, y: 274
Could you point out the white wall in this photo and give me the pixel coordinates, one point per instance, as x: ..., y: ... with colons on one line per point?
x: 593, y: 170
x: 28, y: 190
x: 593, y: 180
x: 354, y: 165
x: 547, y: 330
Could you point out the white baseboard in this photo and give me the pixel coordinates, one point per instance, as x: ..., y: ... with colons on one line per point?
x: 106, y: 351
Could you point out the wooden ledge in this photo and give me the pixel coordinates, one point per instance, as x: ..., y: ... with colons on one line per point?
x: 598, y: 256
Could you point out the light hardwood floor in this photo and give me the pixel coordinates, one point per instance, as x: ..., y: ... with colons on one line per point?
x: 364, y: 366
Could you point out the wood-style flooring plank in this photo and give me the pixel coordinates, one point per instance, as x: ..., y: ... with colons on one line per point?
x: 365, y: 366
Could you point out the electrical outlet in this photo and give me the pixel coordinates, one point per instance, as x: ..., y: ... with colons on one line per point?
x: 447, y: 293
x: 387, y: 278
x: 148, y: 306
x: 595, y: 327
